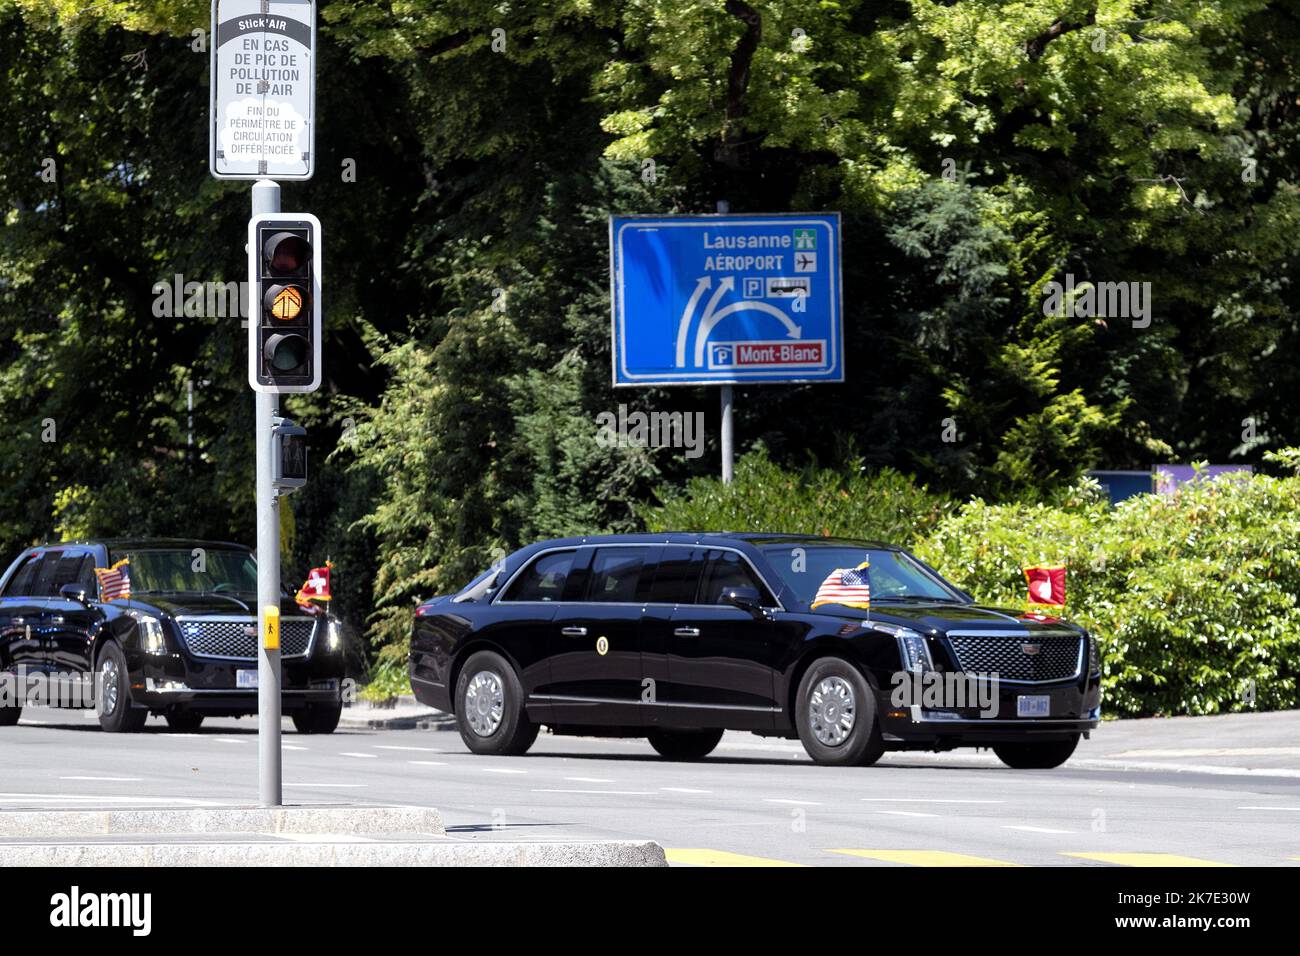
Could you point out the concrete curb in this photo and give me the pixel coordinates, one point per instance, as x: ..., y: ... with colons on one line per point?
x: 191, y: 820
x: 602, y: 853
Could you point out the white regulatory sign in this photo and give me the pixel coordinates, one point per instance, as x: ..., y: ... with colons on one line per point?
x: 263, y: 89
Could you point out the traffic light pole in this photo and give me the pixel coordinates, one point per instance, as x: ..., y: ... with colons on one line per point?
x: 266, y: 199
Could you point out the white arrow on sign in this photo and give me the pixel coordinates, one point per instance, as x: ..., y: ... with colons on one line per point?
x: 711, y: 319
x: 684, y: 323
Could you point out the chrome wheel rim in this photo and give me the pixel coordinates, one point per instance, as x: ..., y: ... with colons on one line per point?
x: 485, y: 703
x: 832, y: 710
x: 108, y: 684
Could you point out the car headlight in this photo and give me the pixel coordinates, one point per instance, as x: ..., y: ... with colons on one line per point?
x: 333, y: 635
x: 913, y: 649
x: 1094, y: 655
x: 152, y: 638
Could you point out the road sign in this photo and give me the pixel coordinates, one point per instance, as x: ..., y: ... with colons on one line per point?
x: 726, y: 299
x: 263, y: 64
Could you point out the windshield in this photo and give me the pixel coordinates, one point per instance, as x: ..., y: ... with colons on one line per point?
x: 191, y: 570
x: 893, y: 576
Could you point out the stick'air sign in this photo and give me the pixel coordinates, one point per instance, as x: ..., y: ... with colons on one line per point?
x: 263, y: 89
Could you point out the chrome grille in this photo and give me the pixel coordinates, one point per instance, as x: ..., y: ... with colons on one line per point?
x: 235, y: 638
x: 1059, y: 656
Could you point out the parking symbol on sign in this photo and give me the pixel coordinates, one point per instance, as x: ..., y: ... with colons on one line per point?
x: 753, y: 288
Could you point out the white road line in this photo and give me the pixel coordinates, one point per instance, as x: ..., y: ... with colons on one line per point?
x: 293, y: 747
x: 338, y: 785
x: 793, y: 803
x: 107, y: 779
x: 501, y: 770
x: 589, y: 779
x: 353, y: 753
x: 684, y: 790
x: 922, y: 800
x: 907, y: 813
x: 1029, y: 829
x: 1268, y: 808
x: 423, y: 750
x: 228, y: 740
x: 622, y: 793
x: 427, y: 763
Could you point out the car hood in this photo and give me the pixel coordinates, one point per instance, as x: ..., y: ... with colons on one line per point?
x: 940, y: 616
x: 190, y: 604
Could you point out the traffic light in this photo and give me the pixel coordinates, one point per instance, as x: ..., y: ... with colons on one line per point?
x: 284, y: 328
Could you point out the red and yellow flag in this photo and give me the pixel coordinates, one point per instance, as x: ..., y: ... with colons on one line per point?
x: 1046, y: 586
x: 316, y: 587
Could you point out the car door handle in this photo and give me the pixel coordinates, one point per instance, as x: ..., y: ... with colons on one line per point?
x: 573, y: 631
x: 687, y: 632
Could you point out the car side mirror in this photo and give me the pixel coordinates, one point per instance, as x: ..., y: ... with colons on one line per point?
x: 746, y: 599
x: 73, y: 592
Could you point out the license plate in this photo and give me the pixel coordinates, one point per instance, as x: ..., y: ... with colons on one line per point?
x: 246, y: 679
x: 1036, y: 706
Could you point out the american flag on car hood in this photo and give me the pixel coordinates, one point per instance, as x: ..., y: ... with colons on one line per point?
x: 115, y: 582
x: 850, y: 587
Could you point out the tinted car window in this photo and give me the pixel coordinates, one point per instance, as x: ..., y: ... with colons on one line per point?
x: 21, y: 584
x: 677, y: 576
x: 543, y: 580
x: 892, y: 574
x: 614, y: 574
x: 46, y: 573
x: 67, y: 571
x: 727, y: 569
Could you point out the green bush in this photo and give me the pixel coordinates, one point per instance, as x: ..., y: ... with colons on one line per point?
x: 850, y: 502
x: 1193, y: 596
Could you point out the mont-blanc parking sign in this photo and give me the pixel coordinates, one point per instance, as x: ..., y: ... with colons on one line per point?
x: 726, y: 299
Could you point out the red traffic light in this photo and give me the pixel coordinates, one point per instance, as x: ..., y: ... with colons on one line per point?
x: 287, y: 253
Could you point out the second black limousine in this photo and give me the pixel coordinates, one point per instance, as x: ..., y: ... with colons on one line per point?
x: 679, y: 637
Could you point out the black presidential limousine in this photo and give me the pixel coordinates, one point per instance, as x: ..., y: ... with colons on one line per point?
x: 184, y: 645
x: 677, y: 637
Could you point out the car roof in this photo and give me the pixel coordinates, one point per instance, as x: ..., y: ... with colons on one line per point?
x: 140, y: 544
x: 755, y: 538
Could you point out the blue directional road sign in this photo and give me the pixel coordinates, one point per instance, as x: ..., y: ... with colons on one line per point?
x: 726, y: 299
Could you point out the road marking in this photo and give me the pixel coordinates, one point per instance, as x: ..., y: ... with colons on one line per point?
x: 227, y: 740
x: 1146, y: 859
x: 589, y: 779
x: 427, y: 763
x: 353, y: 753
x: 1208, y: 752
x: 924, y: 857
x: 793, y: 803
x: 1268, y: 808
x: 621, y: 793
x: 107, y: 779
x: 684, y: 790
x: 922, y: 800
x: 907, y: 813
x: 423, y: 750
x: 501, y: 770
x: 697, y: 857
x: 1029, y: 829
x: 339, y: 785
x: 293, y: 747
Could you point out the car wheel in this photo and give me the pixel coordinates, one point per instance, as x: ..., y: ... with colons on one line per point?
x: 9, y: 714
x: 835, y: 714
x: 1043, y: 755
x: 184, y: 721
x: 317, y: 718
x: 490, y: 707
x: 116, y: 715
x: 684, y: 744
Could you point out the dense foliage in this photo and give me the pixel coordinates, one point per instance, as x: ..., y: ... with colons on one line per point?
x: 977, y: 150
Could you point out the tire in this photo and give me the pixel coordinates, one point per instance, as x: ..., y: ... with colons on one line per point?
x: 317, y: 718
x: 490, y: 707
x: 116, y: 715
x: 184, y: 721
x: 1042, y: 755
x: 9, y: 715
x: 834, y: 693
x: 684, y: 744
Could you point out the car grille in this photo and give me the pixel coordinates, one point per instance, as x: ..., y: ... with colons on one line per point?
x: 235, y: 638
x: 1058, y: 658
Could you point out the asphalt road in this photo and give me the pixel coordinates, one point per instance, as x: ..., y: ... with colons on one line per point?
x: 1196, y: 792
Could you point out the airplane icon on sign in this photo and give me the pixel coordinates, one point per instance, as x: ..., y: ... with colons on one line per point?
x: 805, y: 262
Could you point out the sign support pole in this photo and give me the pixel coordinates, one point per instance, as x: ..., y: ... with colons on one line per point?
x: 726, y: 395
x: 266, y: 198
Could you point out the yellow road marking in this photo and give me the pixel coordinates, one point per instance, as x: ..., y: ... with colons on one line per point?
x: 925, y: 857
x: 699, y: 857
x: 1147, y: 859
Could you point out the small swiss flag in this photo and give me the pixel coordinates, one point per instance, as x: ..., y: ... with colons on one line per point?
x: 1046, y: 585
x: 316, y: 587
